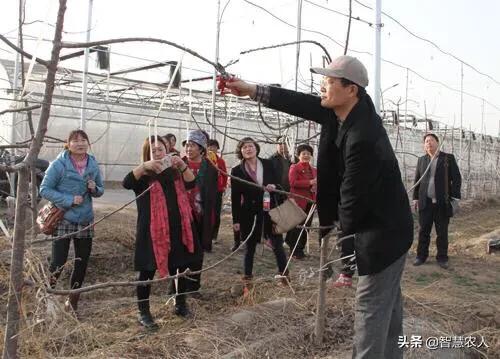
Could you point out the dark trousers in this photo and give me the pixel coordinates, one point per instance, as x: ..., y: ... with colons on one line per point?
x: 218, y: 210
x: 294, y: 235
x: 60, y: 249
x: 143, y: 291
x: 195, y: 284
x: 346, y: 249
x: 433, y: 214
x: 279, y: 252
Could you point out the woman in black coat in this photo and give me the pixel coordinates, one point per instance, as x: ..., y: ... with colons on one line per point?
x: 202, y: 197
x: 247, y: 202
x: 165, y: 238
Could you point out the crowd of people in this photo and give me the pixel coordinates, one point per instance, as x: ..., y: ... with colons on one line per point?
x: 357, y: 185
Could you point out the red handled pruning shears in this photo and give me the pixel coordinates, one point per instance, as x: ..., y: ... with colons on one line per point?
x: 223, y: 80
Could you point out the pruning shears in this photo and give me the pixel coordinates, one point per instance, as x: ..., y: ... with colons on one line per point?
x: 222, y: 80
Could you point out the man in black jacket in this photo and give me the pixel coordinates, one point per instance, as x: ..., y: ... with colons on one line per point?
x: 281, y: 162
x: 360, y: 183
x: 437, y: 182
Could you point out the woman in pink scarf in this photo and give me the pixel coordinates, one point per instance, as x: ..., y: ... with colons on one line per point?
x: 165, y: 239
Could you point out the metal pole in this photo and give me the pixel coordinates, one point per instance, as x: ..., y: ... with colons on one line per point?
x: 214, y: 82
x: 15, y: 85
x: 309, y: 122
x: 297, y: 56
x: 297, y: 48
x: 83, y: 117
x: 461, y: 108
x: 378, y: 28
x: 319, y: 327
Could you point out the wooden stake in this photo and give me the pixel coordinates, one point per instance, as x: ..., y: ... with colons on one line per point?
x: 319, y: 327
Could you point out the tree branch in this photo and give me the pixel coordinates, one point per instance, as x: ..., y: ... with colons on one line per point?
x: 22, y: 52
x: 77, y: 45
x: 290, y: 43
x: 22, y: 109
x: 142, y: 282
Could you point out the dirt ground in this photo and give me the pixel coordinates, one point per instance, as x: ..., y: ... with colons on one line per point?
x: 270, y: 321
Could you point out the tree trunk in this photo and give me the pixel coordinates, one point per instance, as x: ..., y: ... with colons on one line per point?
x: 16, y: 268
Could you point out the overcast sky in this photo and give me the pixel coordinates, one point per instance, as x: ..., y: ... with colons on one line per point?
x: 468, y: 30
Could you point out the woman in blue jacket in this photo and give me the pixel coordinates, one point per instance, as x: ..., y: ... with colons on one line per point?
x: 70, y: 182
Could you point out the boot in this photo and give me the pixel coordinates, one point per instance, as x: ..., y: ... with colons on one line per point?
x: 71, y: 303
x: 145, y: 317
x: 181, y: 309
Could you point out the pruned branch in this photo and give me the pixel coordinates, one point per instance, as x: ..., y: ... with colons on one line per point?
x: 15, y: 168
x: 187, y: 272
x: 16, y: 145
x: 78, y: 45
x: 22, y: 109
x: 263, y: 188
x: 22, y: 52
x: 290, y: 43
x: 288, y: 125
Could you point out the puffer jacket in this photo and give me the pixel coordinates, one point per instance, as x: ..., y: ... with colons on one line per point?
x: 62, y: 182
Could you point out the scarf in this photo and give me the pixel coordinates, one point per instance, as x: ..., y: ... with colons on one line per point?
x: 80, y: 165
x: 258, y: 175
x: 159, y: 226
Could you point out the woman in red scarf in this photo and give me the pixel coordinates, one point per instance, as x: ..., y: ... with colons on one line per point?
x: 302, y: 177
x: 165, y: 240
x: 202, y: 196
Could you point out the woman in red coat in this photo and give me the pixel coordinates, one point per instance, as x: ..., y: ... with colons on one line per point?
x: 302, y: 177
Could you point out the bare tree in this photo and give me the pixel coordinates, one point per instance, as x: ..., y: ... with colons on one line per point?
x: 17, y: 259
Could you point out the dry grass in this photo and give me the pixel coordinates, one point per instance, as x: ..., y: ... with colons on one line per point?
x: 461, y: 301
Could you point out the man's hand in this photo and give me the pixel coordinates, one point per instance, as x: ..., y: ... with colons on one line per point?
x: 415, y: 205
x: 241, y: 88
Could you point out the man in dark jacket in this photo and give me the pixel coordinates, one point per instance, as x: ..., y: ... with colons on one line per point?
x: 437, y: 182
x: 358, y: 173
x: 281, y: 163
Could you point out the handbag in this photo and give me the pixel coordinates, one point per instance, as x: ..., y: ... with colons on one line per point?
x: 49, y: 218
x: 452, y: 204
x: 287, y: 216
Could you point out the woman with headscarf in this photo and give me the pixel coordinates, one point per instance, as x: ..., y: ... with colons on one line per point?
x: 202, y: 196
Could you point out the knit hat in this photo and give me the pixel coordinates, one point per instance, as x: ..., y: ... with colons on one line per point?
x: 196, y: 136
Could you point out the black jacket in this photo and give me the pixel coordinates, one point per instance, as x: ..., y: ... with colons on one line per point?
x: 246, y: 201
x: 144, y: 255
x: 358, y: 179
x: 454, y: 179
x: 282, y: 167
x: 208, y: 192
